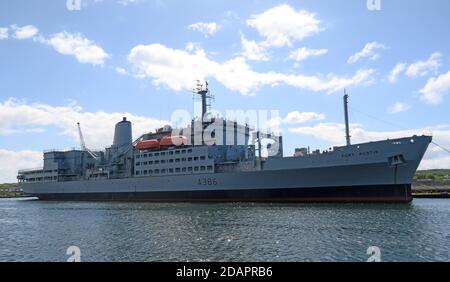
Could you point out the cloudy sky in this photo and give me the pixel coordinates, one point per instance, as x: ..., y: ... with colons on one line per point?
x: 95, y: 62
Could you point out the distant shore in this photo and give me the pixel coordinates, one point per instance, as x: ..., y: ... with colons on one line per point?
x: 431, y: 189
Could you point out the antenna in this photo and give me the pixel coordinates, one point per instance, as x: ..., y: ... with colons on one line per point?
x: 205, y: 95
x: 83, y: 144
x: 347, y: 129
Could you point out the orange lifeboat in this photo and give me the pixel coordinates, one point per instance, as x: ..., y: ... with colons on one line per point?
x: 148, y: 144
x: 171, y: 141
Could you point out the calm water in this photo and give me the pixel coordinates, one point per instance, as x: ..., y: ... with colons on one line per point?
x: 32, y: 230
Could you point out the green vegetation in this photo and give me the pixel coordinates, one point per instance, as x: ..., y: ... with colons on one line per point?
x: 434, y: 174
x: 8, y: 186
x: 8, y: 190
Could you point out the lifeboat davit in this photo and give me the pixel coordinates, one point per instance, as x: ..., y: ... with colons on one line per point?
x: 148, y: 144
x: 171, y: 141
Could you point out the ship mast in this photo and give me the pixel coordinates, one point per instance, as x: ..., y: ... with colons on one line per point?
x: 206, y: 98
x: 347, y: 129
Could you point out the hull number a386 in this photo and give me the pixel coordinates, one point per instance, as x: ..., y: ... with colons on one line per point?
x: 207, y: 181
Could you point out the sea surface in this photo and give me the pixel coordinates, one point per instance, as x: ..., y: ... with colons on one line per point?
x: 32, y: 230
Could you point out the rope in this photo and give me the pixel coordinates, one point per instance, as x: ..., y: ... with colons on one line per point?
x: 443, y: 148
x: 398, y: 126
x: 378, y: 119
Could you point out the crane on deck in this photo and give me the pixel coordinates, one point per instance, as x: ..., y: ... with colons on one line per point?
x: 83, y: 144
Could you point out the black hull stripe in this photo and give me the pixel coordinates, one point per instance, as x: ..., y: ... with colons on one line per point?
x: 399, y: 193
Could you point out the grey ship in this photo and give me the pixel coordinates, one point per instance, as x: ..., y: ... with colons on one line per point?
x: 181, y: 165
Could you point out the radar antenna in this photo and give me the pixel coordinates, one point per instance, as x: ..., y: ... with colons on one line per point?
x: 205, y: 96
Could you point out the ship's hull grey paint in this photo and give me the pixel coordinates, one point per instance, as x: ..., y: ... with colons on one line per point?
x: 381, y: 193
x: 342, y: 175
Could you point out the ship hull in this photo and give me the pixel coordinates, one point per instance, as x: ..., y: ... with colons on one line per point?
x: 347, y: 175
x: 398, y: 193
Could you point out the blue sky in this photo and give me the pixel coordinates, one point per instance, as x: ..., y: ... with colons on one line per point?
x: 140, y: 58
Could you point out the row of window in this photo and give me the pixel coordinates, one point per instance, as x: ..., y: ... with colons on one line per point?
x: 39, y: 179
x: 173, y: 152
x: 174, y: 170
x: 202, y: 158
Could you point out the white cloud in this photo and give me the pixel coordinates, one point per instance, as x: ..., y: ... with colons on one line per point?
x: 252, y: 50
x: 334, y: 134
x: 330, y: 132
x: 4, y: 33
x: 75, y: 44
x: 126, y: 2
x: 282, y: 25
x: 302, y: 117
x: 435, y: 89
x: 121, y: 71
x: 304, y: 53
x: 191, y: 46
x: 12, y: 161
x: 398, y: 107
x: 435, y: 163
x: 18, y: 116
x: 24, y: 32
x: 294, y: 117
x: 369, y: 51
x: 396, y: 71
x: 207, y: 29
x: 179, y: 69
x: 423, y: 68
